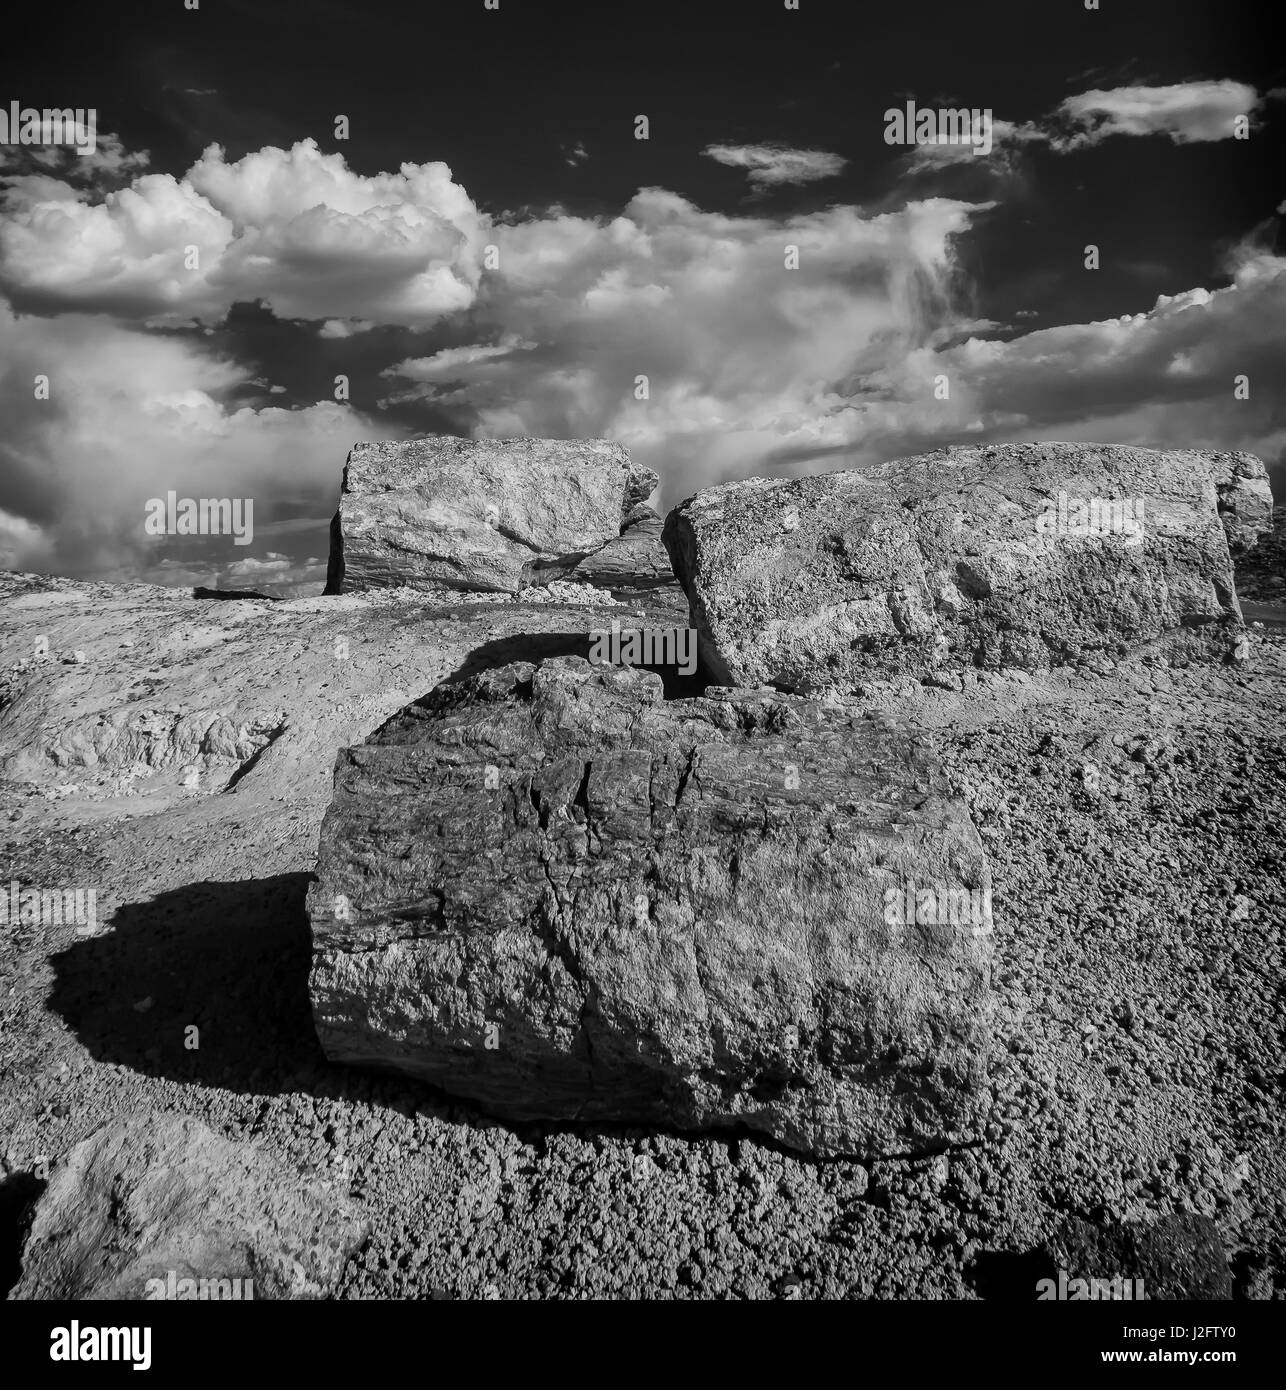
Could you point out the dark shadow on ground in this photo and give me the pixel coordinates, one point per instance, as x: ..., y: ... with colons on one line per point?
x: 251, y: 595
x: 17, y: 1192
x: 544, y: 646
x: 230, y: 959
x: 522, y: 646
x: 1004, y: 1276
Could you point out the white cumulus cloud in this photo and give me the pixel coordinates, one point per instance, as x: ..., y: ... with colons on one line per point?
x: 296, y: 228
x: 131, y: 415
x: 745, y: 343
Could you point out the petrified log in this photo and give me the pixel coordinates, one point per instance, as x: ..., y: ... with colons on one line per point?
x: 551, y: 891
x: 481, y: 514
x: 1022, y: 555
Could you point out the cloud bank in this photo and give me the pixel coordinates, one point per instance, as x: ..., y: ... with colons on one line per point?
x: 714, y: 345
x: 294, y: 228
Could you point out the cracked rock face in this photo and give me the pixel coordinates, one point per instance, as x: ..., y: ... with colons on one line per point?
x: 551, y: 891
x: 487, y: 514
x: 1024, y: 555
x: 142, y: 1199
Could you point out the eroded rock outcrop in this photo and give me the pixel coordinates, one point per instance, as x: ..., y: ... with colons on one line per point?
x: 1244, y: 494
x: 636, y: 559
x: 484, y: 514
x: 1020, y: 555
x: 551, y: 891
x: 168, y: 1200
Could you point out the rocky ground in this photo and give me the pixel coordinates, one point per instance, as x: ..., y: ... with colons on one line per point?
x: 176, y: 755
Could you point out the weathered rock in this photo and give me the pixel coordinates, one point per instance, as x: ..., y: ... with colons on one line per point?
x: 551, y: 891
x: 180, y: 697
x: 967, y: 558
x: 486, y: 514
x: 1245, y: 498
x: 1176, y: 1257
x: 802, y: 584
x: 636, y: 559
x: 140, y: 1200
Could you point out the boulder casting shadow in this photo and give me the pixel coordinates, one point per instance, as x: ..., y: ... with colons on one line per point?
x: 231, y: 959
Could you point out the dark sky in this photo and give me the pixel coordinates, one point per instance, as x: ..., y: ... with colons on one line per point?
x: 498, y: 94
x: 532, y: 107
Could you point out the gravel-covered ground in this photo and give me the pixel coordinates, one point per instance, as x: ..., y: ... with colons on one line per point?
x: 1134, y: 822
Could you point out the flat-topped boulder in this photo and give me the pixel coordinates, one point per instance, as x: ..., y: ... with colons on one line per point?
x: 1018, y: 555
x: 478, y: 514
x: 551, y: 891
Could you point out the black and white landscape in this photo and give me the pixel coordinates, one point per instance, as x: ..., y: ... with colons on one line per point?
x: 643, y: 654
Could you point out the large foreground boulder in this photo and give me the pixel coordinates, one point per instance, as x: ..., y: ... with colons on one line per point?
x: 551, y: 891
x: 480, y: 514
x: 163, y: 1207
x: 1021, y: 555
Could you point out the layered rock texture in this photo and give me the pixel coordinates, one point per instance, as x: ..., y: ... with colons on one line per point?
x: 159, y: 1200
x: 552, y: 891
x: 487, y: 514
x: 1025, y: 555
x: 636, y: 559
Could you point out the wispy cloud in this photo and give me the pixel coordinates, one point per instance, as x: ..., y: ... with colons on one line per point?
x: 1188, y: 112
x: 1007, y: 140
x: 775, y: 166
